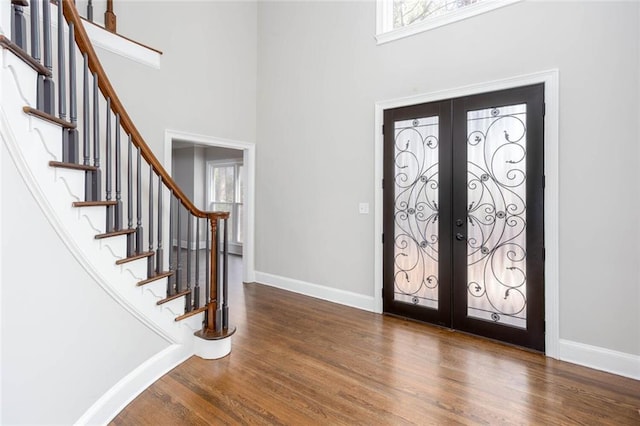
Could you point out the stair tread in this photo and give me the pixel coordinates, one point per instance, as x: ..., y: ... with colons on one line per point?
x: 93, y: 203
x: 115, y: 233
x: 174, y: 296
x: 73, y: 166
x: 191, y: 313
x: 22, y: 54
x: 48, y: 117
x: 155, y: 278
x: 135, y: 257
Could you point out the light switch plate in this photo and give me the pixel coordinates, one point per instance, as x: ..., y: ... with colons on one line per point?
x: 363, y: 208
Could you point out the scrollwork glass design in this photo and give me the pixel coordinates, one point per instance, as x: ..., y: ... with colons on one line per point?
x: 496, y: 214
x: 416, y: 211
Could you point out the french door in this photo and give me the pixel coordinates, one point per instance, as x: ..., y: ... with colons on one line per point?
x: 463, y: 214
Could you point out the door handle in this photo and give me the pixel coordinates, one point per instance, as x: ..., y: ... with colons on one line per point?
x: 459, y: 236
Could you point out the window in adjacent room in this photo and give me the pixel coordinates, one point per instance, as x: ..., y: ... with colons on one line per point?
x: 225, y: 193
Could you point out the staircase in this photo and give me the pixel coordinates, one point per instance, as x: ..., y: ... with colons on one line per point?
x: 109, y: 198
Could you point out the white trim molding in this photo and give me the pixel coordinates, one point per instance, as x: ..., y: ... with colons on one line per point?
x: 551, y: 215
x: 111, y: 42
x: 129, y: 387
x: 384, y: 19
x: 620, y: 363
x: 122, y: 46
x: 318, y: 291
x: 249, y: 161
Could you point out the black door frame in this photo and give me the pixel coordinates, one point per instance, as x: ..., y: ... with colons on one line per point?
x: 441, y: 316
x: 448, y: 315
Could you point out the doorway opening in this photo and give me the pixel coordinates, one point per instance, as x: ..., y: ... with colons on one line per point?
x: 463, y: 214
x: 550, y: 78
x: 219, y: 174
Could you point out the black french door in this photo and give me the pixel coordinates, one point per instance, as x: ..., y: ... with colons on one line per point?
x: 463, y: 214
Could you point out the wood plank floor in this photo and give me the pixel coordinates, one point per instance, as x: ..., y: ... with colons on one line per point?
x: 296, y: 360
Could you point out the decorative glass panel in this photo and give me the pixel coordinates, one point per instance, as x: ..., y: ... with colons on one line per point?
x: 416, y: 211
x: 496, y: 228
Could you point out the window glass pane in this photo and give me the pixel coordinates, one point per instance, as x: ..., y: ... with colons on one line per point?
x: 497, y: 215
x: 226, y: 193
x: 222, y: 207
x: 240, y: 189
x: 226, y: 207
x: 406, y: 12
x: 239, y: 224
x: 416, y: 233
x: 223, y: 184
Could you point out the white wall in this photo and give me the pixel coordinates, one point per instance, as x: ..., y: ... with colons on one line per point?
x: 182, y: 165
x: 207, y: 80
x: 199, y: 176
x: 65, y: 342
x: 320, y: 73
x: 219, y: 153
x: 187, y: 166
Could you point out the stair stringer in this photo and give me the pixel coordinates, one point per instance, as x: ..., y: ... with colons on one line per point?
x: 32, y: 143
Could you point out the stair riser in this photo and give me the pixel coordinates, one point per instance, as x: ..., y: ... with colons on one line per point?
x: 72, y: 180
x: 18, y: 81
x: 95, y: 217
x: 137, y: 268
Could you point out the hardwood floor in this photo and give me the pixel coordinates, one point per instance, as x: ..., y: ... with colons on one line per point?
x: 296, y: 360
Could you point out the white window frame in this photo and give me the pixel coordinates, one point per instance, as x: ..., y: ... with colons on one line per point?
x: 234, y: 244
x: 384, y: 19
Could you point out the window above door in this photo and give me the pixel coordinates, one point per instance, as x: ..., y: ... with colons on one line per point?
x: 402, y: 18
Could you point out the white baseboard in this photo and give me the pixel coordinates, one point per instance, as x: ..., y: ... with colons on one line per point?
x: 343, y: 297
x: 130, y: 386
x: 620, y: 363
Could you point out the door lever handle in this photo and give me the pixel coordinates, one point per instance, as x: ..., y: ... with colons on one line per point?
x: 459, y: 237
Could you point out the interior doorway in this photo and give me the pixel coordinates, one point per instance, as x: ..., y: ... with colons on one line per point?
x: 220, y: 175
x: 464, y: 214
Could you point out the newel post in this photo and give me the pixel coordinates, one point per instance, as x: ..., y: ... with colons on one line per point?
x: 213, y: 341
x: 110, y: 17
x: 211, y: 325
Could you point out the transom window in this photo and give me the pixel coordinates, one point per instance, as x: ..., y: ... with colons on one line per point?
x: 402, y: 18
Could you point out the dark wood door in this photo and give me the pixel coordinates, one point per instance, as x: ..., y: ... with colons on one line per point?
x: 463, y: 214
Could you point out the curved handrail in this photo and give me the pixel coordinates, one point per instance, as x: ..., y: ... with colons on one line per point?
x: 84, y: 44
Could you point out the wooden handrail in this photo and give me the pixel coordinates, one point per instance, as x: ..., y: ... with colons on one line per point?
x: 85, y: 46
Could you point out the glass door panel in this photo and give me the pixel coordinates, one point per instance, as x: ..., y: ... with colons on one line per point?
x: 417, y: 212
x: 497, y: 214
x: 416, y: 183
